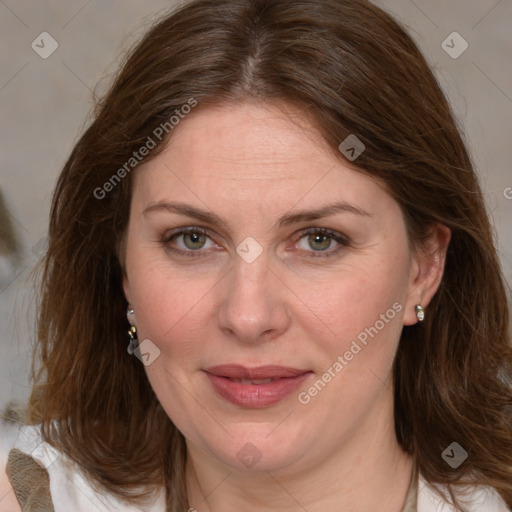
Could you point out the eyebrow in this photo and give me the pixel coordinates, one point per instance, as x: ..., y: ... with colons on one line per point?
x: 286, y: 220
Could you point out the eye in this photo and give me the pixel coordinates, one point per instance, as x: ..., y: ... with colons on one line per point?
x: 321, y: 240
x: 189, y: 242
x: 195, y: 242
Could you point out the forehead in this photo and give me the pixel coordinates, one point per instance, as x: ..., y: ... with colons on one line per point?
x: 249, y: 153
x: 260, y: 137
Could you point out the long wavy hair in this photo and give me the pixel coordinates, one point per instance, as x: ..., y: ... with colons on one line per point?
x: 352, y: 69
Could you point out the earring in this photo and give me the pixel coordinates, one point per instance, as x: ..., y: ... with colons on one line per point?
x: 420, y: 312
x: 134, y: 341
x: 132, y: 332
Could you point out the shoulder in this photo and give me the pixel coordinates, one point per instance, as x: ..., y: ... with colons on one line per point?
x: 22, y: 454
x: 479, y: 499
x: 46, y: 476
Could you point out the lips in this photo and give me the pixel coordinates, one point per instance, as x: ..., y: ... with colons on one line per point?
x: 238, y: 372
x: 255, y: 387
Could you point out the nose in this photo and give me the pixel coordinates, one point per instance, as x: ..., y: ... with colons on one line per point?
x: 254, y: 307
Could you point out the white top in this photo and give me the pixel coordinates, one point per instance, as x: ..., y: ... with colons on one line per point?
x: 70, y: 489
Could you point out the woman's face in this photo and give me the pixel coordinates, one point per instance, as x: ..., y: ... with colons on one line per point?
x: 255, y: 282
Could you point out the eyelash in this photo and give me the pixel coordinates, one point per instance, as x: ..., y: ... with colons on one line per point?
x: 342, y: 240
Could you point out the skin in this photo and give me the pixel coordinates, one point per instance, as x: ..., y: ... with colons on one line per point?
x: 252, y: 163
x: 8, y: 501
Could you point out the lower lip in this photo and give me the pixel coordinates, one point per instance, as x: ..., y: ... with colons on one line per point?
x: 256, y: 395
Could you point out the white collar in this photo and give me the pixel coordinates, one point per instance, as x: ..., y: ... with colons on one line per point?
x: 481, y: 499
x: 71, y: 490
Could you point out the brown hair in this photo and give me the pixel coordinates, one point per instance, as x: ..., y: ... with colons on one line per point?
x: 349, y: 66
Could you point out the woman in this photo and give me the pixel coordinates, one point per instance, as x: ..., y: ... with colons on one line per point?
x: 276, y: 197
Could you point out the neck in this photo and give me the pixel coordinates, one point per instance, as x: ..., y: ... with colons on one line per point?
x: 368, y: 472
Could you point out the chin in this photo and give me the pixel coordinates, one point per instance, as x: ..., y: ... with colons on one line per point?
x: 258, y: 451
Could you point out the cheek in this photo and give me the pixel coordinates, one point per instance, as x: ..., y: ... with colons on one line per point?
x: 170, y: 305
x: 360, y: 313
x: 356, y: 352
x: 359, y: 293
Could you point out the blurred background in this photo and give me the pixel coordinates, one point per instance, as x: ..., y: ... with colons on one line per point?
x: 55, y: 54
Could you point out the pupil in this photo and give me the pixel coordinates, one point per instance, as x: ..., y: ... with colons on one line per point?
x: 195, y: 239
x: 322, y: 239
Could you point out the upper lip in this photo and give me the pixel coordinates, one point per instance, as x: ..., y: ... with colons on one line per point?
x: 236, y: 371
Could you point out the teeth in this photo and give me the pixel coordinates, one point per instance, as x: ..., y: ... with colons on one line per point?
x: 257, y: 381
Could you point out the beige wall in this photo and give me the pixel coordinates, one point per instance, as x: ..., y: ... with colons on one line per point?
x: 44, y: 105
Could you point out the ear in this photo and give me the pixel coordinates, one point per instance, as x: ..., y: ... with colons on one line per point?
x: 126, y: 288
x: 427, y: 271
x: 121, y: 256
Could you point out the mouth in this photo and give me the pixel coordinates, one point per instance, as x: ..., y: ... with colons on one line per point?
x: 239, y: 372
x: 255, y: 387
x: 253, y: 381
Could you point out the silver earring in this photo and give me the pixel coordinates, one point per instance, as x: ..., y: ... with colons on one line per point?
x: 132, y: 332
x: 130, y: 315
x: 420, y: 312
